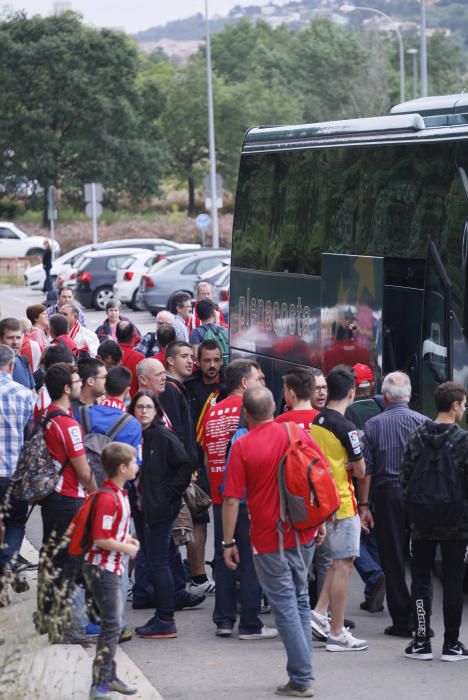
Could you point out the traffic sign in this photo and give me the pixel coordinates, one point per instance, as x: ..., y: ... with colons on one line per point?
x: 52, y: 213
x: 203, y: 221
x: 97, y: 210
x: 219, y: 182
x: 88, y: 192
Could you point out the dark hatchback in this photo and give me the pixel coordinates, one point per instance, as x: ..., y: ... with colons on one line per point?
x: 96, y: 276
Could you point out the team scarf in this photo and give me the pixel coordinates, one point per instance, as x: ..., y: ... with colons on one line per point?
x: 210, y: 401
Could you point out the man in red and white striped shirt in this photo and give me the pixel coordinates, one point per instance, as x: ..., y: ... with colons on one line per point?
x: 64, y: 440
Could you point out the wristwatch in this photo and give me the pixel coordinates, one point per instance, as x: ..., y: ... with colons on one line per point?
x: 228, y: 545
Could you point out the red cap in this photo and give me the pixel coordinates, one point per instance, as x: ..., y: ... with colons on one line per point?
x: 363, y: 373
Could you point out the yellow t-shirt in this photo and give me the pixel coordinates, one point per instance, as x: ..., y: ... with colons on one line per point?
x: 338, y: 439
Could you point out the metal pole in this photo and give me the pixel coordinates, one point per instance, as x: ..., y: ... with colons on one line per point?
x: 423, y: 50
x: 413, y: 53
x: 52, y: 236
x: 351, y: 8
x: 211, y: 135
x: 93, y: 207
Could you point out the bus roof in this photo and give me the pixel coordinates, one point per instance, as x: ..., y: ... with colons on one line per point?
x: 429, y: 106
x: 405, y: 120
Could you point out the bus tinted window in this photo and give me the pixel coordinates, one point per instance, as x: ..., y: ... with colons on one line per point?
x: 369, y: 200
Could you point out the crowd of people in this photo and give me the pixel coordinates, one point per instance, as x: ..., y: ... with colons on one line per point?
x: 158, y: 428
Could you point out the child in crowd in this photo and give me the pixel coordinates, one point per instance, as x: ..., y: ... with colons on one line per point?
x: 103, y: 563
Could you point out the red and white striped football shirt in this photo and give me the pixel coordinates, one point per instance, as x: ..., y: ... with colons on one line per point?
x: 110, y: 518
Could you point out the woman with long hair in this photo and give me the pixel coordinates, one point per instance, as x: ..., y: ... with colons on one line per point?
x: 165, y: 474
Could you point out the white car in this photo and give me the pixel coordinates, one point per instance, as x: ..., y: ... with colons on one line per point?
x: 15, y: 243
x: 68, y: 277
x: 34, y: 277
x: 129, y: 277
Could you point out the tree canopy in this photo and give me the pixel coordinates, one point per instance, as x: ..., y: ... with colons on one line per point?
x: 81, y: 104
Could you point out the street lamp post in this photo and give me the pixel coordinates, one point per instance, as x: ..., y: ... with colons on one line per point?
x: 423, y: 50
x: 413, y: 53
x: 352, y: 8
x: 211, y: 137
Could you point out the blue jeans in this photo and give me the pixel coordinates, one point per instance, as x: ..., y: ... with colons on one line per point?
x: 106, y: 589
x: 224, y: 614
x: 285, y: 584
x: 368, y: 563
x: 160, y: 550
x: 14, y: 519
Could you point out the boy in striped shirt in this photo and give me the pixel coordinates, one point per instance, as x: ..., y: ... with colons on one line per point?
x: 103, y: 563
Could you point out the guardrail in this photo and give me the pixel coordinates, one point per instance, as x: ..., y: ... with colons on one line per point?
x: 12, y: 269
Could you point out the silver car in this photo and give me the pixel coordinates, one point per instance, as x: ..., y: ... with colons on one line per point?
x: 180, y: 275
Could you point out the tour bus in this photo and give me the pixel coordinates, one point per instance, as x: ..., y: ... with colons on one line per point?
x: 350, y: 244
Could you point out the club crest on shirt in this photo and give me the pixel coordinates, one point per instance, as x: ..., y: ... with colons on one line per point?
x: 354, y: 440
x: 107, y: 522
x: 75, y: 435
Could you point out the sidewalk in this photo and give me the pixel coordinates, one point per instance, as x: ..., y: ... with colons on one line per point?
x: 31, y: 668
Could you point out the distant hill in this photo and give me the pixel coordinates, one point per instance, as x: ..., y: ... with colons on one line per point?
x: 451, y: 15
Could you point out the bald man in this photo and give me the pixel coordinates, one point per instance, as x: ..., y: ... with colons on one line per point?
x: 149, y: 345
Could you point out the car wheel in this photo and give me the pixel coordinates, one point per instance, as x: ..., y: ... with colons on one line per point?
x: 36, y: 251
x: 101, y: 296
x: 136, y: 303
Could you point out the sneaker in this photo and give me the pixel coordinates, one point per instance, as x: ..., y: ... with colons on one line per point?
x: 126, y: 635
x: 345, y: 642
x: 419, y: 649
x: 320, y: 626
x: 207, y: 588
x: 73, y: 636
x: 101, y: 691
x: 190, y: 601
x: 120, y: 687
x: 224, y: 632
x: 265, y: 608
x: 92, y: 628
x: 365, y: 606
x: 265, y: 633
x: 294, y: 690
x: 157, y: 629
x: 454, y: 652
x: 19, y: 583
x: 23, y: 564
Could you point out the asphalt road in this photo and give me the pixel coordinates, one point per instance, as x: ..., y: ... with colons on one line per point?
x: 14, y: 300
x: 199, y: 666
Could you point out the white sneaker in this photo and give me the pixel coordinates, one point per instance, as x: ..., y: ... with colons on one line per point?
x: 265, y: 633
x: 345, y: 642
x: 207, y: 588
x: 320, y: 626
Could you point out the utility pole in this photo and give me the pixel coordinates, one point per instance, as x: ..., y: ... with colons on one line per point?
x: 423, y: 50
x: 211, y: 136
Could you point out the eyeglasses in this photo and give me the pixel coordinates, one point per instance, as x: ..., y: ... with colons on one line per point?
x: 76, y: 381
x: 321, y: 387
x: 145, y: 407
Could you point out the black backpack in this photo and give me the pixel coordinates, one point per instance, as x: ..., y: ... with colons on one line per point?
x: 435, y: 494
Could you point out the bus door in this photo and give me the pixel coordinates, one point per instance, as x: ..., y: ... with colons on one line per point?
x: 351, y: 311
x: 437, y: 330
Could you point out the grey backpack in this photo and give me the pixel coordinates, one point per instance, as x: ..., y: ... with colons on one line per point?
x: 94, y: 443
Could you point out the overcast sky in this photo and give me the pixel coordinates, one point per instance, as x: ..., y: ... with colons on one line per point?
x: 133, y: 15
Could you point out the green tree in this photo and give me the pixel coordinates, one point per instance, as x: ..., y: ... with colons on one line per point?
x: 70, y: 109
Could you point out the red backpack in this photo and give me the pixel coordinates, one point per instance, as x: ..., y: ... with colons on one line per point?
x: 308, y: 492
x: 79, y: 530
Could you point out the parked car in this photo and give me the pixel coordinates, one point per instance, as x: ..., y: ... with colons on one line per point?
x: 219, y: 278
x: 128, y: 277
x: 34, y: 277
x: 15, y: 243
x: 160, y: 245
x: 96, y: 276
x: 180, y: 275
